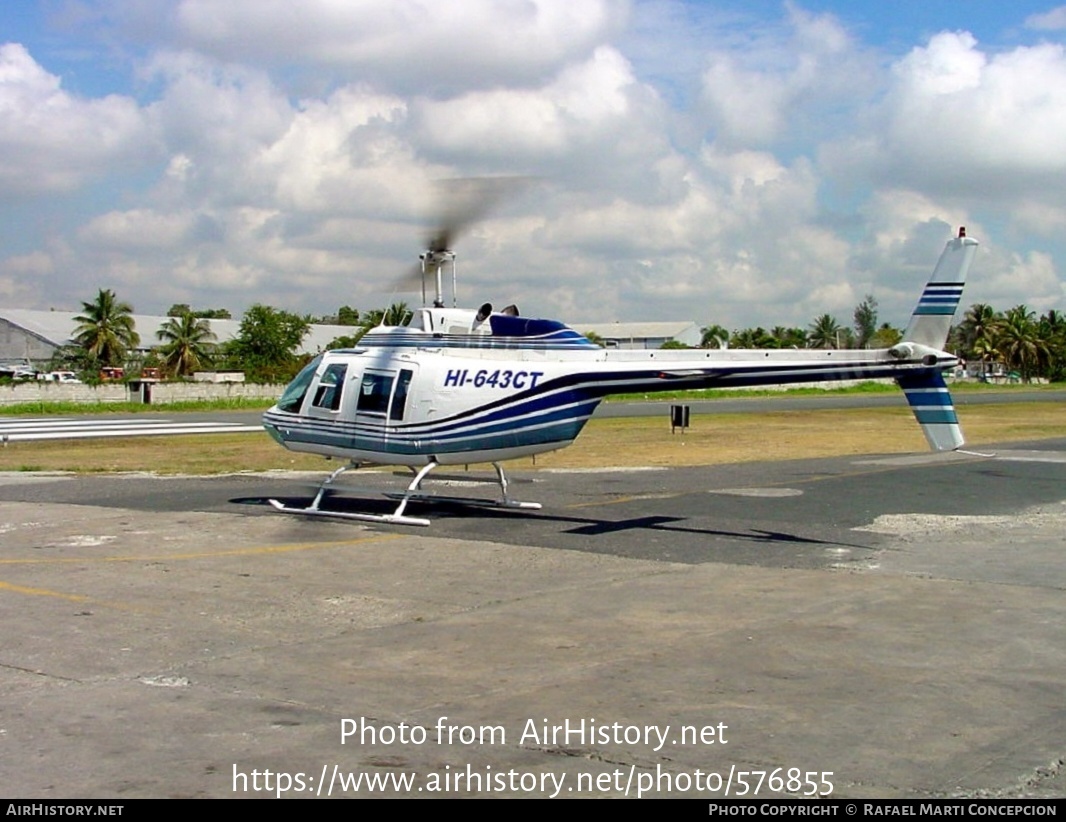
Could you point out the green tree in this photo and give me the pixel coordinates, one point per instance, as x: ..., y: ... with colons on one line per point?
x: 395, y: 314
x: 977, y: 329
x: 187, y: 343
x: 825, y: 332
x: 181, y: 309
x: 865, y: 321
x: 105, y: 329
x: 1019, y: 344
x: 1052, y: 330
x: 346, y: 315
x: 347, y: 340
x: 788, y: 337
x: 886, y: 336
x: 265, y: 346
x: 984, y: 349
x: 714, y: 336
x: 72, y: 358
x: 752, y: 338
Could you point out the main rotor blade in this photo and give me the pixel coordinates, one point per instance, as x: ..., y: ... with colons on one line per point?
x: 408, y: 282
x: 465, y: 200
x: 460, y: 202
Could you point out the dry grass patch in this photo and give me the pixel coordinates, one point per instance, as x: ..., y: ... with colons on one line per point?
x: 782, y: 435
x: 631, y: 441
x: 178, y: 454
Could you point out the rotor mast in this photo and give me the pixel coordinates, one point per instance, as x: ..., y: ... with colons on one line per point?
x: 433, y: 261
x: 462, y: 202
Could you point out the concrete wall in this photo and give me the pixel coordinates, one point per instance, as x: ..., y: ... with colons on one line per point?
x: 31, y: 392
x: 189, y: 391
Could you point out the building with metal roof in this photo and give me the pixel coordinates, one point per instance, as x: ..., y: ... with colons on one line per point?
x: 643, y: 335
x: 35, y: 336
x: 31, y: 335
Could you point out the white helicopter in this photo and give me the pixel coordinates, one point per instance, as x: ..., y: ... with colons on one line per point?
x: 457, y: 386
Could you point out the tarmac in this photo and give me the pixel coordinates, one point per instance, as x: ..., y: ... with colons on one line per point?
x: 858, y: 627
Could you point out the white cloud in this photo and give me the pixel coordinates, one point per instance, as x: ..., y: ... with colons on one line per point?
x: 20, y: 278
x: 783, y: 79
x: 405, y: 44
x: 948, y: 65
x: 340, y: 155
x: 137, y: 229
x: 963, y: 123
x: 285, y: 153
x: 576, y: 107
x: 1040, y: 218
x: 53, y: 141
x: 212, y: 119
x: 1053, y: 20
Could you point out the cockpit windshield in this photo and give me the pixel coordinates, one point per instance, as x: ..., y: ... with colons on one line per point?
x: 293, y: 397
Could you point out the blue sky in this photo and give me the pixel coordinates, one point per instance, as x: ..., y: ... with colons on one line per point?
x: 738, y: 163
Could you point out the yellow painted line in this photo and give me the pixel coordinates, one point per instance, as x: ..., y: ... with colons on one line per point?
x: 630, y: 498
x: 45, y: 592
x: 260, y: 550
x: 42, y: 592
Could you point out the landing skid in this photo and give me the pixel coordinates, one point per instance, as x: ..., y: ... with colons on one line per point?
x: 413, y: 492
x: 310, y: 511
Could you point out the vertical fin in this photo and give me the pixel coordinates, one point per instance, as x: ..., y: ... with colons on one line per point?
x: 931, y: 402
x: 931, y: 320
x: 926, y: 391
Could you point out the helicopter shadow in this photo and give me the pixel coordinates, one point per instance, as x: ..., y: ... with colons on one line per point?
x: 644, y: 536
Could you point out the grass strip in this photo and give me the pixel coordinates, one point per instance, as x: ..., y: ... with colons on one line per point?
x: 627, y: 441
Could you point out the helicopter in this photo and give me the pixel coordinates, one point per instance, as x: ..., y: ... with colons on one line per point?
x: 456, y: 386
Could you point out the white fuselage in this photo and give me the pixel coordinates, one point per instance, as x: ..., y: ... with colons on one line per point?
x: 452, y: 389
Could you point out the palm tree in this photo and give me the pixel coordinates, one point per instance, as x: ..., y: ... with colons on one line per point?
x: 825, y: 332
x: 985, y: 350
x: 395, y: 314
x: 752, y: 338
x: 1053, y: 333
x: 714, y: 336
x: 788, y: 337
x: 105, y: 329
x: 1019, y: 343
x: 187, y: 343
x: 981, y: 322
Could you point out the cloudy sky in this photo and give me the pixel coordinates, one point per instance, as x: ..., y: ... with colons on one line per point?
x: 738, y: 162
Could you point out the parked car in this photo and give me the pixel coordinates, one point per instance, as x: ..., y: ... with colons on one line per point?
x: 17, y: 371
x: 67, y: 377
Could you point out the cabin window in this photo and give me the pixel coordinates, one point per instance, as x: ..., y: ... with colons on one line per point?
x: 374, y: 393
x: 330, y: 387
x: 399, y: 397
